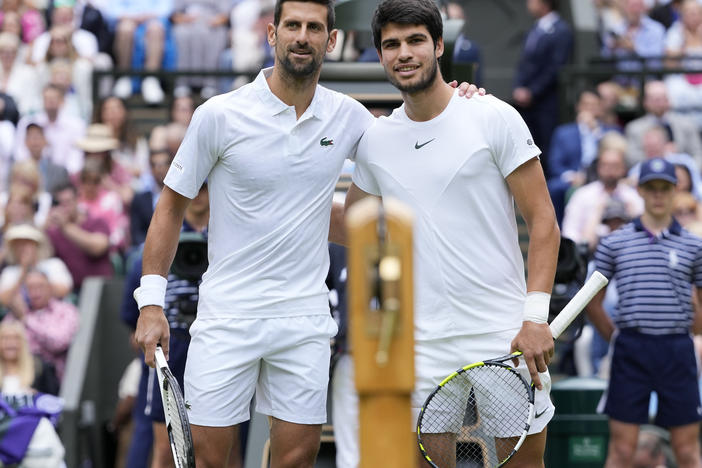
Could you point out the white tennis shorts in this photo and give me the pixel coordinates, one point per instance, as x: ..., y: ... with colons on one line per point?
x: 436, y: 359
x: 284, y: 361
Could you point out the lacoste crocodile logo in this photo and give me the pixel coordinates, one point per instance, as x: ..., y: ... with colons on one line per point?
x: 418, y: 146
x: 325, y: 142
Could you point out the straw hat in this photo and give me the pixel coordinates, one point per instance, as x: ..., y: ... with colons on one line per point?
x: 98, y: 139
x: 27, y: 231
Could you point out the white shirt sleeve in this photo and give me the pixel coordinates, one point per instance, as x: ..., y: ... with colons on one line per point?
x: 509, y: 137
x: 198, y: 153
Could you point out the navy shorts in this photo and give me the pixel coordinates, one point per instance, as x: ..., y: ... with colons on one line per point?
x: 177, y: 354
x: 645, y: 363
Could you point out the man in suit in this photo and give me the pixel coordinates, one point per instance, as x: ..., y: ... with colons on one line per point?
x: 143, y: 204
x: 574, y: 148
x: 547, y: 48
x: 681, y: 129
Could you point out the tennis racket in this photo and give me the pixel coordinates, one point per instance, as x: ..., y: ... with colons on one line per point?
x: 176, y: 415
x: 480, y: 415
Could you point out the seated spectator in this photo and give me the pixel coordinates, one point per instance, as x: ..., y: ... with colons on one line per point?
x: 51, y: 174
x: 61, y: 131
x: 681, y: 129
x: 200, y: 29
x: 62, y: 15
x: 30, y: 19
x: 133, y: 150
x: 684, y: 47
x: 26, y: 174
x: 18, y: 79
x: 20, y: 371
x: 97, y: 200
x: 63, y: 67
x: 98, y: 145
x: 585, y: 209
x: 249, y: 44
x: 82, y: 242
x: 182, y: 109
x: 143, y: 204
x: 28, y: 249
x: 19, y: 209
x: 170, y: 138
x: 685, y: 209
x: 657, y: 145
x: 51, y: 323
x: 636, y: 35
x: 610, y: 95
x: 574, y: 148
x: 142, y: 40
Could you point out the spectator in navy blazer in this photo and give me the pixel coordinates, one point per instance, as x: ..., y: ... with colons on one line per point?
x: 547, y: 48
x: 574, y: 148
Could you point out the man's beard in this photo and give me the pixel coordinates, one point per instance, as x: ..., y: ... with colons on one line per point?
x: 423, y: 83
x: 300, y: 70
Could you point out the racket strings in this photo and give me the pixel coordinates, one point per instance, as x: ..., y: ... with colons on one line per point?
x: 476, y: 418
x: 177, y: 431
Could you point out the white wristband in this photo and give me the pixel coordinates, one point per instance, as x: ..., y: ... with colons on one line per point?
x: 151, y: 292
x: 536, y: 307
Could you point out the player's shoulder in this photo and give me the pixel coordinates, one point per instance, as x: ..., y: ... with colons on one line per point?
x: 488, y: 104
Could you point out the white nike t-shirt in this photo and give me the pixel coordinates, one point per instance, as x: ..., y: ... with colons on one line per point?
x: 271, y: 179
x: 451, y: 170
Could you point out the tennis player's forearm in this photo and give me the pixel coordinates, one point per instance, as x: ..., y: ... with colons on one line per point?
x: 163, y: 235
x: 544, y: 240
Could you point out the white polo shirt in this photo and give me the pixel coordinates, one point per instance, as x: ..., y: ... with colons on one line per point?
x: 451, y: 170
x: 271, y: 179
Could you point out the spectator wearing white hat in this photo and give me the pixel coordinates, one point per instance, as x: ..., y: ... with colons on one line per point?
x: 28, y: 248
x: 97, y: 145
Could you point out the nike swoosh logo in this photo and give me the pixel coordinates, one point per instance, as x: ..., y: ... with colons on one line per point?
x: 418, y: 146
x: 538, y: 415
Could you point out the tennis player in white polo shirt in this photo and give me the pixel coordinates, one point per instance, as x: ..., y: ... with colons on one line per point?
x: 272, y: 152
x: 460, y: 165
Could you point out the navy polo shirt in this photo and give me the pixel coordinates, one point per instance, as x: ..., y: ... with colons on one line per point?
x: 654, y: 275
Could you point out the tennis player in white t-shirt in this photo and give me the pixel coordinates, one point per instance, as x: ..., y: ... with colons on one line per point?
x: 460, y: 165
x: 272, y: 152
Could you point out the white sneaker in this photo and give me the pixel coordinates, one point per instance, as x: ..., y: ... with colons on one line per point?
x: 151, y: 90
x: 123, y: 87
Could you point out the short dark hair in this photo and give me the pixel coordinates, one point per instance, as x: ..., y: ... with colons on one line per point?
x: 421, y: 12
x: 35, y: 125
x: 327, y: 3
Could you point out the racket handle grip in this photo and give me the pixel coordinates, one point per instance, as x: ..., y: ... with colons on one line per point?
x: 576, y: 305
x: 160, y: 358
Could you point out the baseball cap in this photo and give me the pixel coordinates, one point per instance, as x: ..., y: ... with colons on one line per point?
x: 657, y: 169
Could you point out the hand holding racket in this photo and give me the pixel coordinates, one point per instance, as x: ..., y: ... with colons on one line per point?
x: 176, y: 414
x: 481, y: 413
